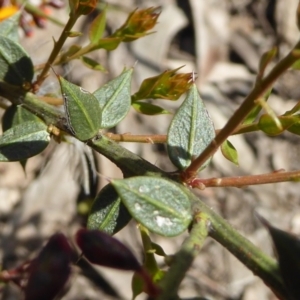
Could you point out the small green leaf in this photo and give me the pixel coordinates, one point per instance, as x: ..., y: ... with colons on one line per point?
x: 72, y: 34
x: 269, y: 126
x: 23, y: 141
x: 256, y: 110
x: 230, y: 152
x: 288, y: 252
x: 294, y: 110
x: 266, y: 58
x: 295, y: 128
x: 158, y: 249
x: 97, y: 27
x: 108, y: 213
x: 92, y: 64
x: 137, y: 285
x: 16, y: 66
x: 108, y: 43
x: 159, y: 204
x: 82, y: 110
x: 16, y: 115
x: 9, y: 27
x: 115, y: 99
x: 148, y: 109
x: 190, y: 131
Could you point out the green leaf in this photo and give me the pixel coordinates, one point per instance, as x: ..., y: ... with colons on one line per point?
x: 23, y: 141
x: 137, y: 285
x: 82, y: 110
x: 190, y: 131
x: 295, y: 128
x: 296, y: 65
x: 268, y: 125
x: 148, y: 109
x: 16, y: 115
x: 256, y: 110
x: 108, y: 213
x: 294, y: 110
x: 115, y: 99
x: 288, y: 252
x: 108, y: 43
x: 72, y: 34
x: 159, y: 204
x: 16, y: 66
x: 229, y: 152
x: 266, y: 58
x: 9, y: 27
x: 97, y: 27
x: 92, y: 64
x: 158, y: 249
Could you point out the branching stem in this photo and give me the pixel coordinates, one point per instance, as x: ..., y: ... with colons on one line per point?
x: 57, y: 48
x: 259, y: 89
x: 204, y: 218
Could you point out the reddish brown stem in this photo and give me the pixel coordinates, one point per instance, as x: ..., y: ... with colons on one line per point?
x: 242, y: 181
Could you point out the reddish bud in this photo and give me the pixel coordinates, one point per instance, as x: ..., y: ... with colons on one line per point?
x: 40, y: 22
x: 167, y: 85
x: 50, y: 270
x: 137, y: 24
x: 85, y: 7
x: 102, y: 249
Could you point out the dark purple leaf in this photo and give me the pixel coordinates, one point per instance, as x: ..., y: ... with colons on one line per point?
x: 50, y: 270
x: 102, y: 249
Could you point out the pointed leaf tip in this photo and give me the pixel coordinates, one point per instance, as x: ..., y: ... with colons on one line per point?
x: 190, y: 131
x: 115, y: 99
x: 229, y: 152
x: 82, y: 110
x: 108, y: 213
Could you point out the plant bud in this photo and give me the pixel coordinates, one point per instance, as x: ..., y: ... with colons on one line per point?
x: 167, y: 85
x: 137, y: 24
x: 102, y: 249
x: 50, y: 270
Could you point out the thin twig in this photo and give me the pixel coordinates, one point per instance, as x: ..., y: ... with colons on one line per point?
x: 241, y: 113
x: 243, y: 181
